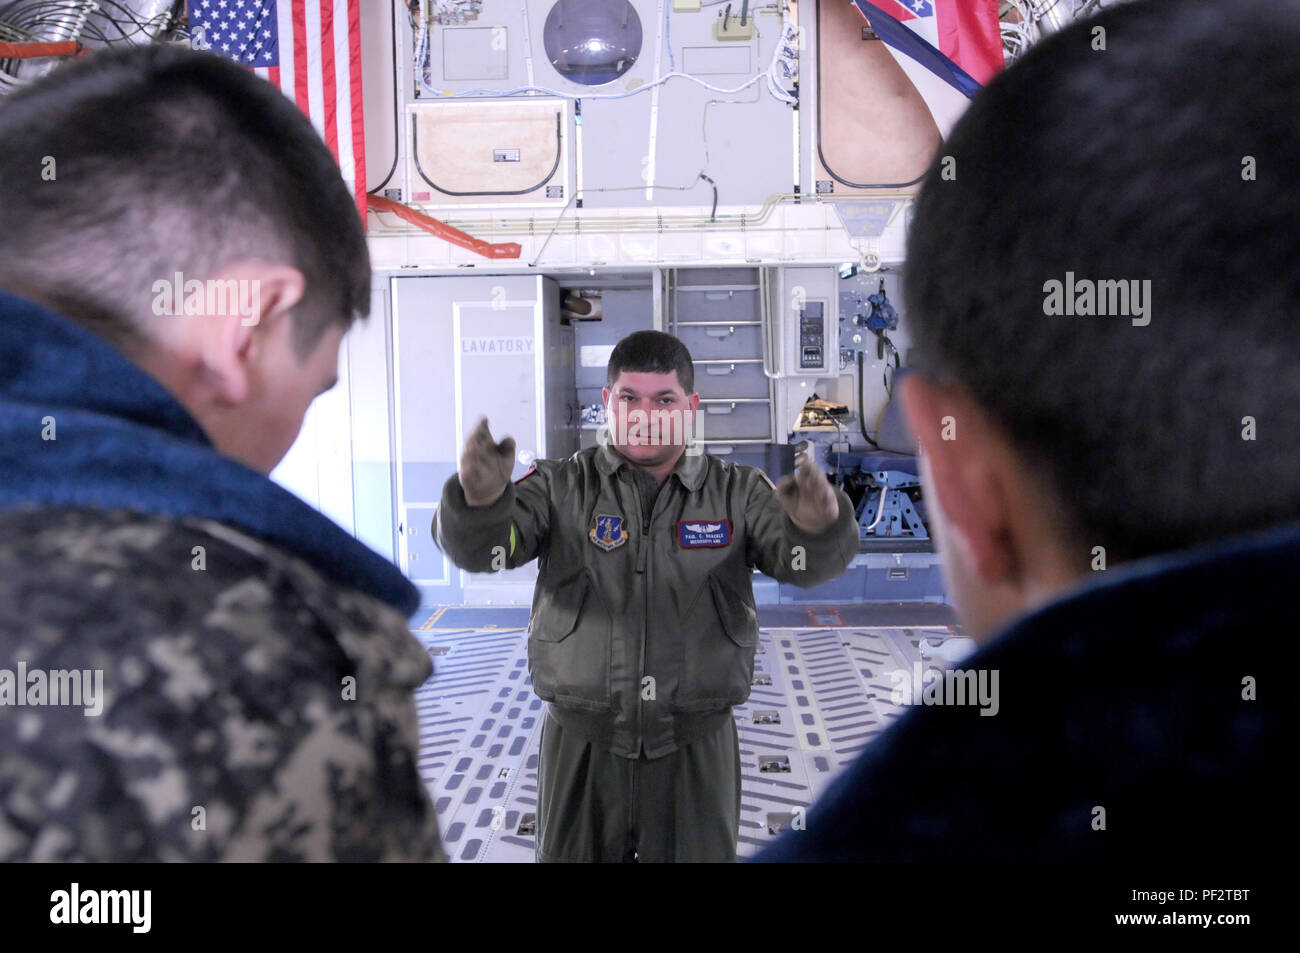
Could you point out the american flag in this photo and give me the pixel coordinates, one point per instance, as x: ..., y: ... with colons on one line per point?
x: 311, y: 50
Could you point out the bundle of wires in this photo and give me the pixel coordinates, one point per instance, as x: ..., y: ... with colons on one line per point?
x: 1025, y: 22
x: 38, y: 21
x: 45, y: 20
x: 1019, y: 32
x: 83, y: 22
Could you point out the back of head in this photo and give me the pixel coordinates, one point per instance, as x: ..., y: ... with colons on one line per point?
x: 1157, y: 143
x: 126, y: 167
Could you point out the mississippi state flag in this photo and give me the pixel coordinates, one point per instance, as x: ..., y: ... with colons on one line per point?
x: 947, y: 48
x: 311, y: 50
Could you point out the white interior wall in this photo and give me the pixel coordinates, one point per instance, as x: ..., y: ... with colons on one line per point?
x: 318, y: 467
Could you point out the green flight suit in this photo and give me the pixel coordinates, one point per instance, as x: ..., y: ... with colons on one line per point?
x: 642, y: 637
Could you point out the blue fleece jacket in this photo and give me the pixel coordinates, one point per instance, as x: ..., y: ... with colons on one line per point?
x: 122, y: 441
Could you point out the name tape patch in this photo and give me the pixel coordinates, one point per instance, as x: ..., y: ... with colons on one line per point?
x: 701, y: 534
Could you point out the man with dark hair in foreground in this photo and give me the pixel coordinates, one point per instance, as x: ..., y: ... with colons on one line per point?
x: 1103, y: 301
x: 214, y: 670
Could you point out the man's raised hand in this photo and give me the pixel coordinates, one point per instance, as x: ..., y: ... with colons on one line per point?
x: 485, y: 466
x: 808, y: 497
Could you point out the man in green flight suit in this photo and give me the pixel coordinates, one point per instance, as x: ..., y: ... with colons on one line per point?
x: 643, y: 626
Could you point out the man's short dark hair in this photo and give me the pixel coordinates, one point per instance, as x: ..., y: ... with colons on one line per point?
x: 1169, y: 156
x: 127, y: 166
x: 652, y: 352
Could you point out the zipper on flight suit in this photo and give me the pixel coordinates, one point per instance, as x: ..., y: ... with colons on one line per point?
x: 643, y: 566
x: 642, y: 563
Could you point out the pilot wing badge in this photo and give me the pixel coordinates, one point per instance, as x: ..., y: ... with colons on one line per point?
x: 700, y: 534
x: 608, y: 533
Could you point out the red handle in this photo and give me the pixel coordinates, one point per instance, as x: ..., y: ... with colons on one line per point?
x: 32, y: 51
x: 443, y: 230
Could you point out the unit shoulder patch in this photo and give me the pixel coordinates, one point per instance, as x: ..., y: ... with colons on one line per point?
x: 608, y: 533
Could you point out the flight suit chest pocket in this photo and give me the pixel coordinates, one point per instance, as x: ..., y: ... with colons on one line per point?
x: 719, y: 638
x: 569, y: 638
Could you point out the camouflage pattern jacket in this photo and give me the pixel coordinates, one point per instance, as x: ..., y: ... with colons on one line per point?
x: 194, y: 664
x: 249, y: 709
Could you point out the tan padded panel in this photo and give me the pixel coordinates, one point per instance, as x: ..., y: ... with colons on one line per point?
x: 455, y: 147
x: 875, y: 127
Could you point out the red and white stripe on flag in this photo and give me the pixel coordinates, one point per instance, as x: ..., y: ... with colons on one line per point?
x: 965, y: 31
x: 320, y: 70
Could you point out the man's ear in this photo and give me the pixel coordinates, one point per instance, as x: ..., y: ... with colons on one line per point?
x: 964, y: 455
x: 693, y: 401
x: 234, y: 340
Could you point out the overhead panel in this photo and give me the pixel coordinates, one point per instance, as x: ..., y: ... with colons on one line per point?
x: 629, y: 134
x: 475, y: 53
x: 717, y: 60
x: 723, y: 122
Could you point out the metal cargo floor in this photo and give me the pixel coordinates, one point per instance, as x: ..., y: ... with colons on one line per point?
x: 480, y: 721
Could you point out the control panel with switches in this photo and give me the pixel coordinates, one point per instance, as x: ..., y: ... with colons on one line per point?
x: 812, y: 336
x: 809, y: 321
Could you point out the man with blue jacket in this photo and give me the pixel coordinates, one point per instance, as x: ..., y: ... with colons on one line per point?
x: 1101, y: 284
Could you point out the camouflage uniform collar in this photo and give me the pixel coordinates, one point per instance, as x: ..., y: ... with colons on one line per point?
x: 691, y: 468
